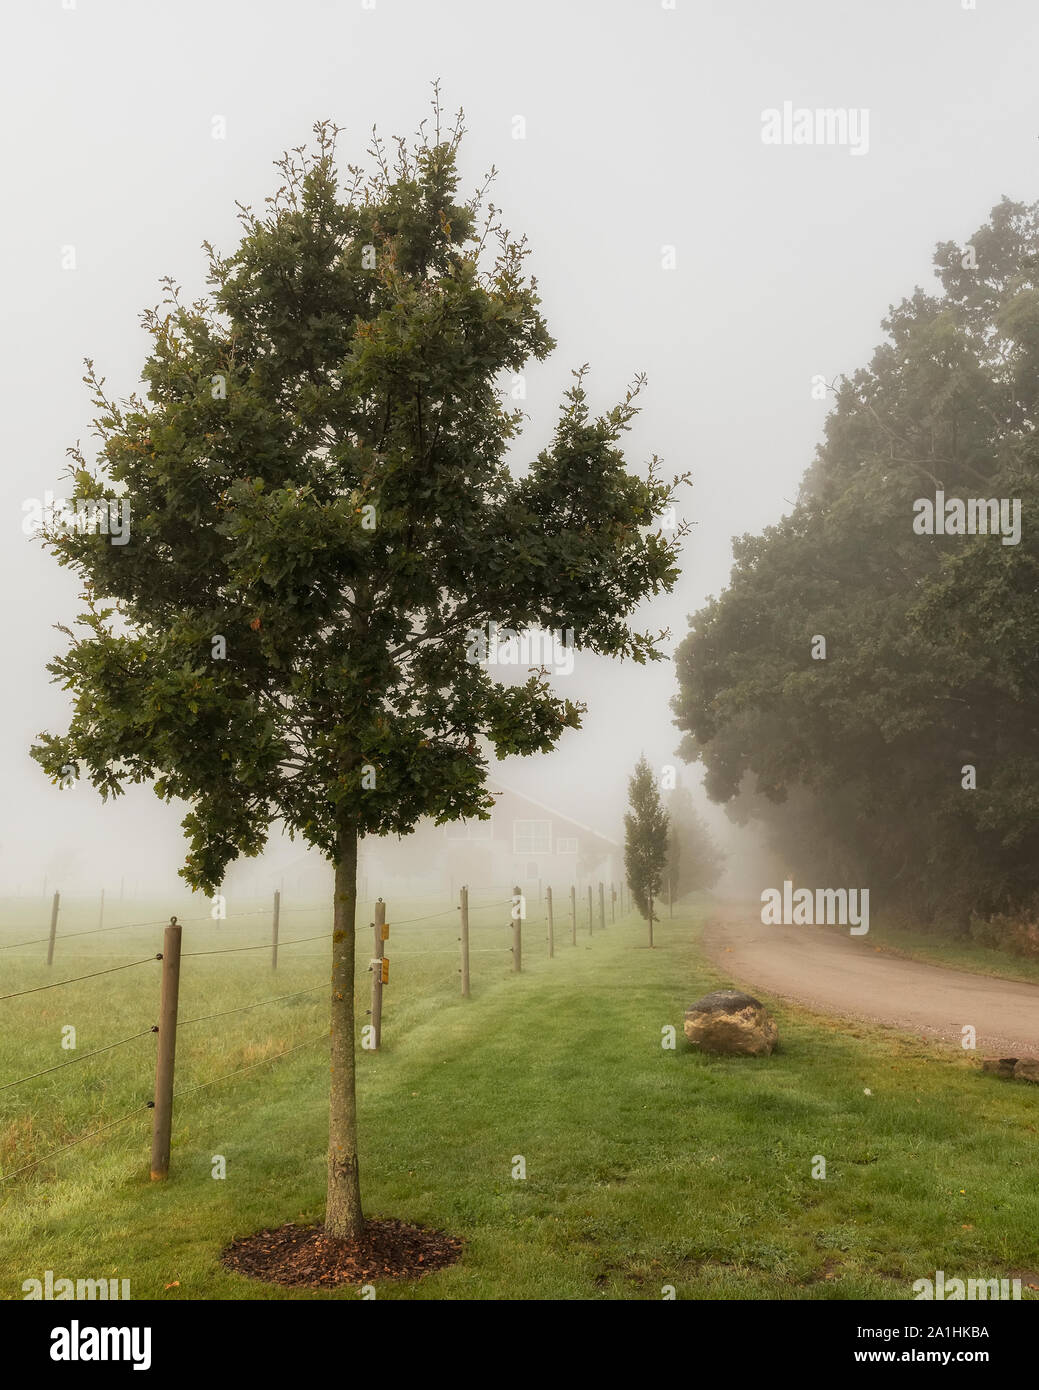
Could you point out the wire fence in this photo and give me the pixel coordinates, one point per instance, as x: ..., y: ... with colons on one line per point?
x: 465, y: 915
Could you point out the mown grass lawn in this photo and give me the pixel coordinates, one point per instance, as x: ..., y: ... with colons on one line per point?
x: 955, y: 952
x: 645, y: 1166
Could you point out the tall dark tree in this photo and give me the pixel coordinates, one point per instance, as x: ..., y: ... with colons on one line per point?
x: 645, y: 841
x: 905, y: 753
x: 322, y: 516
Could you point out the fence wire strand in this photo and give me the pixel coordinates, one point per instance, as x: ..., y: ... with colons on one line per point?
x: 202, y: 1018
x: 81, y: 1140
x: 251, y: 1066
x: 125, y: 926
x: 76, y: 978
x: 263, y: 946
x: 96, y: 1053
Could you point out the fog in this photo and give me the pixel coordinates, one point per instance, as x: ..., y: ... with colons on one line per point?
x: 643, y: 131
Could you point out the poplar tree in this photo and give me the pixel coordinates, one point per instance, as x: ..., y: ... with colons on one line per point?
x: 645, y: 841
x: 322, y: 512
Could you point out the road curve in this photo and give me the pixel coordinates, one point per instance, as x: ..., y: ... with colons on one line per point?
x: 832, y: 972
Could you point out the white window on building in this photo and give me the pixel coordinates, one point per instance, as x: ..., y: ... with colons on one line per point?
x: 532, y: 836
x: 566, y: 844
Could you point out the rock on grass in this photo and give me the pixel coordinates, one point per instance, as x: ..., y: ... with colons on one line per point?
x: 729, y: 1022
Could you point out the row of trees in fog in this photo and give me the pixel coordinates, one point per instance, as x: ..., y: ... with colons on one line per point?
x: 902, y: 751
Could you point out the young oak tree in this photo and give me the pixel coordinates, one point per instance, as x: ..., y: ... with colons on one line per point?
x: 645, y: 841
x: 321, y: 512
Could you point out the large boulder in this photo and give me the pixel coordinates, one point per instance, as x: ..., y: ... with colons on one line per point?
x: 1027, y: 1069
x: 729, y: 1022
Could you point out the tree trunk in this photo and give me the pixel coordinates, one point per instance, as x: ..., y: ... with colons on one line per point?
x: 343, y: 1216
x: 651, y: 921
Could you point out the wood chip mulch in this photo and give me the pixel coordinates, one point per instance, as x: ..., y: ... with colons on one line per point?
x: 297, y: 1256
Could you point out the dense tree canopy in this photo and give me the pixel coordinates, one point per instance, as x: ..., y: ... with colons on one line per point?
x: 858, y: 760
x: 349, y: 358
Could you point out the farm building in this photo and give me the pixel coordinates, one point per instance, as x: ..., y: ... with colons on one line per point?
x: 525, y: 842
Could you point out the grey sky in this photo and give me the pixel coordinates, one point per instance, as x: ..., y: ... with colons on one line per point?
x: 643, y: 130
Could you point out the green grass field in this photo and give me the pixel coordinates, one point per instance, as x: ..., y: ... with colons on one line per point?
x: 646, y: 1166
x: 954, y: 952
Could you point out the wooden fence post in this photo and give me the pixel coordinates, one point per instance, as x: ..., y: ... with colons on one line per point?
x: 573, y: 914
x: 464, y: 904
x: 589, y: 909
x: 613, y: 903
x: 54, y: 928
x: 378, y: 927
x: 275, y: 920
x: 551, y: 925
x: 602, y: 906
x: 517, y: 929
x: 162, y: 1125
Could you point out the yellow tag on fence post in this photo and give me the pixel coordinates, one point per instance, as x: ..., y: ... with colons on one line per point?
x: 385, y: 931
x: 385, y: 970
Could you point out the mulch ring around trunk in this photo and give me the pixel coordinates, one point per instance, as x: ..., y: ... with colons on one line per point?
x: 304, y: 1256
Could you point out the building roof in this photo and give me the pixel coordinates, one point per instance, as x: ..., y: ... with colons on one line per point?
x: 496, y: 783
